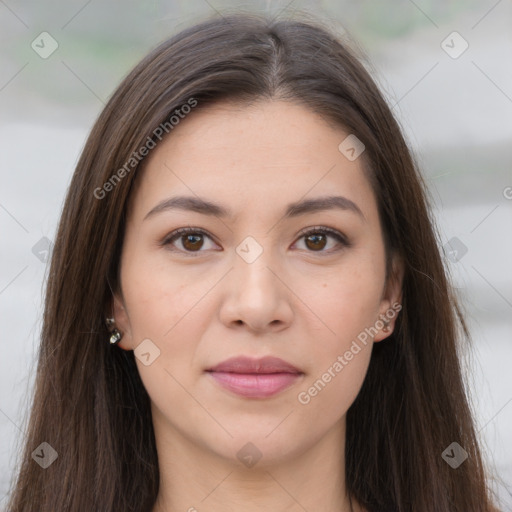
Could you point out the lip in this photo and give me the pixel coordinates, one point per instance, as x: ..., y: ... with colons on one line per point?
x: 243, y: 364
x: 255, y: 378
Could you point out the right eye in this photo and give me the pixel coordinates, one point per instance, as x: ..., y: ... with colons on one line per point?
x: 190, y: 239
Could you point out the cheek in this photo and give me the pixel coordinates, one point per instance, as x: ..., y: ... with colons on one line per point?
x: 332, y: 390
x: 168, y: 308
x: 347, y: 305
x: 340, y: 354
x: 160, y: 298
x: 345, y: 300
x: 338, y: 360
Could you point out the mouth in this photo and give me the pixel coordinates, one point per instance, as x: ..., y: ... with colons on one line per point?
x: 255, y: 378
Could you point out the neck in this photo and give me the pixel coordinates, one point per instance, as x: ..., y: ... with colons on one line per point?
x: 193, y: 478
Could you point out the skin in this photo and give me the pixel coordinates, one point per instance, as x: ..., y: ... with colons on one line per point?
x: 303, y: 302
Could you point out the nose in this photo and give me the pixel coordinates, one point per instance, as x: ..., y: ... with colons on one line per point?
x: 257, y: 296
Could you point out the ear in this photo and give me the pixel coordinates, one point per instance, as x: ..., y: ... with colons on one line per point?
x: 391, y: 301
x: 121, y: 321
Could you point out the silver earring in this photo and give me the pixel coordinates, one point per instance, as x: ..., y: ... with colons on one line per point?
x: 115, y: 334
x: 115, y: 337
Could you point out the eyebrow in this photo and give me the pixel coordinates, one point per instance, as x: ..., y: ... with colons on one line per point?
x: 204, y: 207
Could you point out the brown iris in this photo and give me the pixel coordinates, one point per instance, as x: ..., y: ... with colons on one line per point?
x: 316, y: 239
x: 195, y: 242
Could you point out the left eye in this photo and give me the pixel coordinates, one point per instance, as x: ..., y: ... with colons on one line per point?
x: 315, y: 238
x: 319, y: 235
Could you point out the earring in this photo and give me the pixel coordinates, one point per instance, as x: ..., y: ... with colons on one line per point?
x: 115, y: 337
x: 386, y: 326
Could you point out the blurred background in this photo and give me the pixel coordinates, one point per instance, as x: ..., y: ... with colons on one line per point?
x: 445, y: 68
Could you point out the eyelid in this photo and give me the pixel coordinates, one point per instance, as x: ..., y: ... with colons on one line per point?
x: 338, y: 235
x: 334, y: 233
x: 175, y: 235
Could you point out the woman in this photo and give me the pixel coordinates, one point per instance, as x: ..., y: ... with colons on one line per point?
x: 247, y: 306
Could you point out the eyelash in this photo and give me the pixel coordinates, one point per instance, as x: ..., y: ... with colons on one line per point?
x: 340, y: 238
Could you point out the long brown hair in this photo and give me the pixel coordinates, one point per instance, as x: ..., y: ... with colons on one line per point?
x: 89, y: 402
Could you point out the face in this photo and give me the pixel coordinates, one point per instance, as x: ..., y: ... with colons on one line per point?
x: 304, y: 285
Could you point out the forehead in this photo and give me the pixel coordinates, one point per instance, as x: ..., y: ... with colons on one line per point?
x: 252, y: 159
